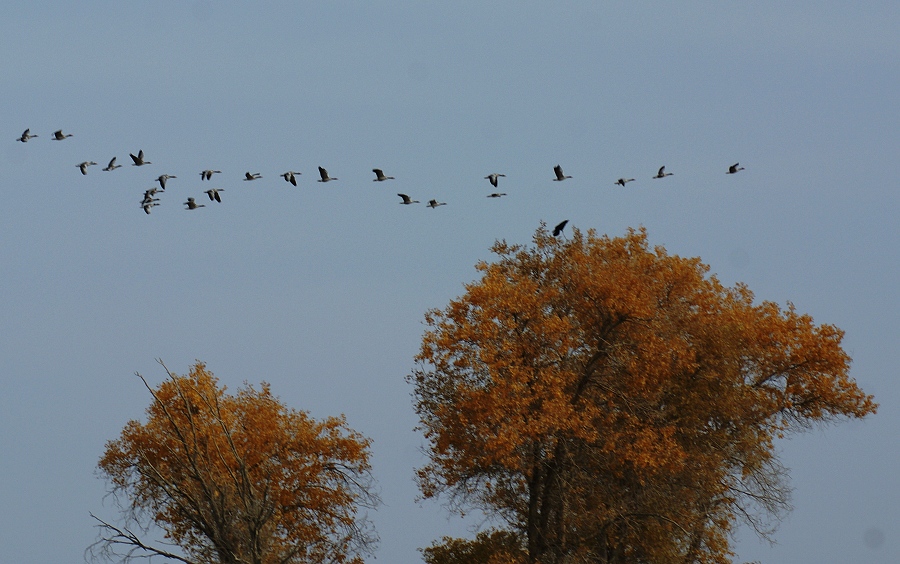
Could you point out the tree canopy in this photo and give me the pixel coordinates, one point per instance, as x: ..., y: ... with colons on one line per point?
x: 237, y: 479
x: 608, y: 402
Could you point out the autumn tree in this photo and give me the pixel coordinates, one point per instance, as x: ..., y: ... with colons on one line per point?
x: 607, y: 402
x: 233, y: 479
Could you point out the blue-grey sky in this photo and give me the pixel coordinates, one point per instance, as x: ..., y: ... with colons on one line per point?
x: 321, y: 289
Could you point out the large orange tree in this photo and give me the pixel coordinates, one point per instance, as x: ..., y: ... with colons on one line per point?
x: 236, y: 479
x: 608, y: 402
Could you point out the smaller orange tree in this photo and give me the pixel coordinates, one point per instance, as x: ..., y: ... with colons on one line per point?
x: 236, y: 479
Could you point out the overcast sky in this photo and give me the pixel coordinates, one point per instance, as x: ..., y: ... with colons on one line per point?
x: 321, y: 289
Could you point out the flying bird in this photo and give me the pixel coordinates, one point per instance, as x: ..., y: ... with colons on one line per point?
x: 254, y: 176
x: 192, y: 205
x: 207, y: 174
x: 148, y: 206
x: 662, y: 173
x: 150, y: 192
x: 324, y: 174
x: 289, y: 177
x: 112, y: 165
x: 26, y: 136
x: 379, y: 175
x: 493, y: 177
x: 213, y: 194
x: 624, y: 181
x: 497, y: 195
x: 435, y: 203
x: 406, y: 200
x: 58, y: 135
x: 733, y: 169
x: 163, y: 178
x: 83, y: 166
x: 559, y: 173
x: 559, y: 228
x: 139, y: 159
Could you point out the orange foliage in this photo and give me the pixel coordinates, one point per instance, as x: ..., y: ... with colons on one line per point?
x: 614, y: 403
x: 241, y: 478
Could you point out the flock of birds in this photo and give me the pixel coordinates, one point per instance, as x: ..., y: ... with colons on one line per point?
x: 150, y: 199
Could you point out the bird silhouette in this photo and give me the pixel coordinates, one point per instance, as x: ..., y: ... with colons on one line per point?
x: 497, y: 195
x: 406, y: 200
x: 207, y: 174
x: 324, y: 174
x: 83, y: 166
x: 559, y: 173
x: 733, y: 169
x: 254, y: 176
x: 213, y: 194
x: 163, y: 178
x: 435, y: 203
x: 662, y: 173
x: 139, y: 159
x: 289, y: 177
x: 112, y: 165
x: 624, y: 181
x: 379, y: 175
x: 58, y: 135
x: 493, y: 178
x: 559, y: 228
x: 148, y: 206
x: 192, y: 205
x: 26, y: 135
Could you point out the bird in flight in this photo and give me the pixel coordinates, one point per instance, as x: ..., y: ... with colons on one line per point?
x: 733, y: 169
x: 192, y: 205
x: 406, y: 200
x: 559, y: 228
x: 149, y: 205
x: 559, y: 173
x: 497, y: 195
x: 58, y: 135
x: 213, y: 194
x: 26, y: 136
x: 624, y: 181
x: 662, y: 173
x: 207, y: 174
x: 435, y: 203
x: 379, y: 175
x: 83, y: 166
x: 254, y: 176
x: 324, y: 174
x: 163, y: 178
x: 493, y: 178
x: 289, y: 177
x: 139, y: 159
x: 112, y: 165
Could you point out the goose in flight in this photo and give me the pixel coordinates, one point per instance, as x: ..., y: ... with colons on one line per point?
x: 58, y: 135
x: 559, y: 173
x: 112, y: 165
x: 139, y: 159
x: 435, y: 203
x: 662, y: 173
x: 213, y: 194
x: 192, y: 205
x: 150, y: 192
x: 254, y: 176
x: 163, y: 178
x: 379, y: 175
x: 148, y: 199
x: 289, y: 177
x: 149, y: 206
x: 406, y: 200
x: 324, y: 174
x: 624, y: 181
x: 559, y: 228
x: 497, y: 195
x: 733, y: 169
x: 207, y: 174
x: 83, y: 166
x: 26, y: 136
x: 493, y: 177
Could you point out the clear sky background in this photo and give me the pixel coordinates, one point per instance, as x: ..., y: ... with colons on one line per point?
x: 321, y: 289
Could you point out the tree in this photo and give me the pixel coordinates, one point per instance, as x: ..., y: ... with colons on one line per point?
x: 608, y: 402
x: 236, y: 479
